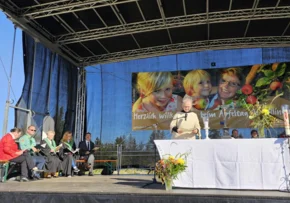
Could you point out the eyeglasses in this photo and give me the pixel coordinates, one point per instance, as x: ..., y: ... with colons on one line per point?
x: 231, y: 84
x: 32, y: 130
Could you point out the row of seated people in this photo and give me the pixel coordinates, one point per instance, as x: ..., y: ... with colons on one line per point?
x: 254, y: 134
x: 46, y: 156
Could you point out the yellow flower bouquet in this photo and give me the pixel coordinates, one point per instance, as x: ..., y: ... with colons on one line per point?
x: 260, y: 116
x: 169, y: 167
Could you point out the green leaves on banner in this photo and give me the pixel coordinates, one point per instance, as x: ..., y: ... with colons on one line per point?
x: 280, y: 69
x: 263, y: 81
x: 271, y: 75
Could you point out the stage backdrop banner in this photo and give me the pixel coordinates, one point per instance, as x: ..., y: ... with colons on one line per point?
x: 157, y: 96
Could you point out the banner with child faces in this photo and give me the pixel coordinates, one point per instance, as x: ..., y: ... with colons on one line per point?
x: 228, y: 95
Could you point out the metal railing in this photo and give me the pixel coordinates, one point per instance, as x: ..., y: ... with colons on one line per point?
x: 141, y: 158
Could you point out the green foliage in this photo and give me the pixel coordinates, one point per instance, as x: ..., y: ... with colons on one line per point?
x: 264, y: 86
x: 281, y: 69
x: 260, y: 116
x: 133, y: 154
x: 98, y: 142
x: 263, y: 81
x: 155, y: 135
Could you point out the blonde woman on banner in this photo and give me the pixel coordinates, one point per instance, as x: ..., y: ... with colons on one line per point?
x: 155, y: 90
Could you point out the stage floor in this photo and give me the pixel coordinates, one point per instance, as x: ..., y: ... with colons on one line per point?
x: 123, y: 184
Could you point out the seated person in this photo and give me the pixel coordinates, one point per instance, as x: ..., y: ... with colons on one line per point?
x: 9, y: 151
x: 53, y: 163
x: 66, y: 153
x: 235, y: 134
x: 27, y: 142
x: 283, y: 135
x: 254, y: 134
x: 87, y: 152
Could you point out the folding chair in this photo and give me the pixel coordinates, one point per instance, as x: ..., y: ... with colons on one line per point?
x: 4, y: 165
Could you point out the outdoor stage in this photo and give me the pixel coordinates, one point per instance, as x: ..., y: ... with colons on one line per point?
x: 123, y: 188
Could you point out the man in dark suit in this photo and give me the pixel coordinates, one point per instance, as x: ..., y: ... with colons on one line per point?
x: 87, y: 152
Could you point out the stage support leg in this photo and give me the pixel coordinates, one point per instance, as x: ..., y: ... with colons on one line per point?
x: 7, y: 104
x: 80, y: 106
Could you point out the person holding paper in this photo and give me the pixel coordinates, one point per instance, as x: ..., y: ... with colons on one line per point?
x: 185, y: 124
x: 27, y: 142
x: 9, y: 151
x: 53, y: 163
x: 66, y: 153
x: 87, y: 149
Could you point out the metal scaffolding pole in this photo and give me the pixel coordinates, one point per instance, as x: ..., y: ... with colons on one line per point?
x: 80, y: 106
x: 7, y: 104
x: 218, y: 44
x: 174, y: 22
x: 66, y: 6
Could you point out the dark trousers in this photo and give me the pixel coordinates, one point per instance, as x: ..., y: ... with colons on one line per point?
x: 39, y: 161
x: 26, y: 163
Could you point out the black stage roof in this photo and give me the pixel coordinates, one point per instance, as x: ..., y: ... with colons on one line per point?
x: 91, y: 32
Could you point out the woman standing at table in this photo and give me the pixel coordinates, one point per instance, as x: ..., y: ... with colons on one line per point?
x: 185, y: 124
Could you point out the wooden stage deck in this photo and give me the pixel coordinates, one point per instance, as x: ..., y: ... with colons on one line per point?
x: 123, y: 188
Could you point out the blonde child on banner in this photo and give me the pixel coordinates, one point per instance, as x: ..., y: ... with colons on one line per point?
x: 155, y: 89
x: 197, y: 86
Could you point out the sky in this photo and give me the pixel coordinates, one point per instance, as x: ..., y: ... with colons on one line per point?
x: 17, y: 80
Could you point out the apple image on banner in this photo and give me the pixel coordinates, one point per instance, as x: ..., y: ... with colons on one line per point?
x: 275, y: 85
x: 251, y: 99
x: 200, y: 104
x: 247, y: 89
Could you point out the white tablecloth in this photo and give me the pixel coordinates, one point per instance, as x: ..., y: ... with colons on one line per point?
x: 261, y: 164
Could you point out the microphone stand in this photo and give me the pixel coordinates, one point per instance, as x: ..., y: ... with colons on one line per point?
x: 154, y: 181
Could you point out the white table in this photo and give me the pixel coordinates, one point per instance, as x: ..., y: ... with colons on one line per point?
x: 261, y: 164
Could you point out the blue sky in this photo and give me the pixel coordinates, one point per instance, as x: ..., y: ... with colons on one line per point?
x: 6, y: 41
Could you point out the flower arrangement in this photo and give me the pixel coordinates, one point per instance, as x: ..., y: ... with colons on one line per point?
x: 260, y: 116
x: 169, y: 167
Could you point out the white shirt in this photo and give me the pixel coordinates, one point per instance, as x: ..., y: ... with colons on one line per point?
x: 88, y: 145
x: 12, y: 136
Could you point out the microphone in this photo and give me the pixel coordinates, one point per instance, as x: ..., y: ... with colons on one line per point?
x: 185, y: 116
